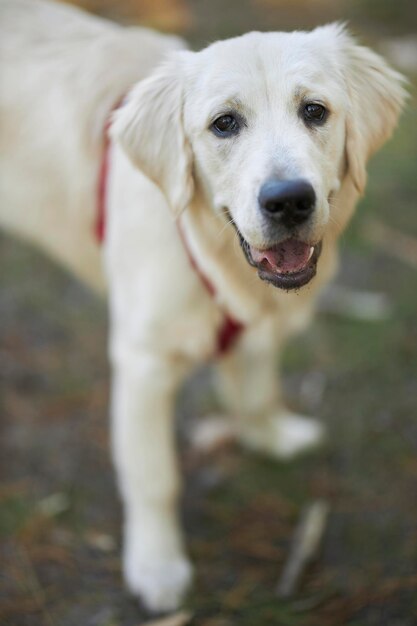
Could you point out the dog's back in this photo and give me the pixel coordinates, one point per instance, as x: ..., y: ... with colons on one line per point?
x: 62, y: 71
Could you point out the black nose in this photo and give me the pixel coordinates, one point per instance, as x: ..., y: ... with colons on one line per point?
x: 290, y: 202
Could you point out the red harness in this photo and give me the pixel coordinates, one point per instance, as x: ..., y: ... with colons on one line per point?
x: 100, y: 223
x: 230, y: 329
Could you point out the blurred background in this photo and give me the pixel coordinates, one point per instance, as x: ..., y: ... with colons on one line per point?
x: 355, y: 368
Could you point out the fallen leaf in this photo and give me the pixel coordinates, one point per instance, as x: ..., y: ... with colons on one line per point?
x: 179, y: 619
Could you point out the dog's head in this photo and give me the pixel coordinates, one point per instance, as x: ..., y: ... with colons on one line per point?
x: 268, y: 126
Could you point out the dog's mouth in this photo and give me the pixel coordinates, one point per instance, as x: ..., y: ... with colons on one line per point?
x: 290, y: 264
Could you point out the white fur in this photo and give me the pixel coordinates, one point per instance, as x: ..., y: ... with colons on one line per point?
x: 62, y: 71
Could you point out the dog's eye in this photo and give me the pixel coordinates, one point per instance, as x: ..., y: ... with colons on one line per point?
x: 225, y: 125
x: 314, y: 112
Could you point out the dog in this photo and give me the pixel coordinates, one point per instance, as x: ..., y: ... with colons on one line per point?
x: 220, y: 190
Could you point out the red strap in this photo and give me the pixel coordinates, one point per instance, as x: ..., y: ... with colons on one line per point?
x: 231, y: 329
x: 228, y: 333
x: 100, y: 223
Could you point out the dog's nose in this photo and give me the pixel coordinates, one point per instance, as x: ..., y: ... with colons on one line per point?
x: 289, y: 202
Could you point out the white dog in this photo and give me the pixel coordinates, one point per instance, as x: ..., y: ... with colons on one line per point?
x: 260, y: 140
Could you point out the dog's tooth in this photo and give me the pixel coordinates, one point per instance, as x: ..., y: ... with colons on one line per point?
x: 310, y: 253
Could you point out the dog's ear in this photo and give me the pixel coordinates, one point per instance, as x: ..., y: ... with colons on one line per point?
x: 376, y: 96
x: 149, y: 127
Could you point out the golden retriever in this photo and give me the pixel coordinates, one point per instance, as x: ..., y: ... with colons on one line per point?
x: 261, y: 140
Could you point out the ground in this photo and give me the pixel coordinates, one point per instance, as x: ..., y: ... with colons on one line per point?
x: 59, y: 510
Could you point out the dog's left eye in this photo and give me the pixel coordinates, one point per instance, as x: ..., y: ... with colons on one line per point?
x: 314, y: 112
x: 225, y: 125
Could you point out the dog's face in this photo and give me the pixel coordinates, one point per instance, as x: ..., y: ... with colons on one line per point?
x: 268, y: 126
x: 267, y: 134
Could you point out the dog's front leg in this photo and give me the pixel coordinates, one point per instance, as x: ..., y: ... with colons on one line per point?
x: 250, y: 388
x: 154, y: 561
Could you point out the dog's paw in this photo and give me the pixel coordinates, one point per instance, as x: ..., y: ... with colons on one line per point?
x: 283, y: 435
x: 212, y: 431
x: 161, y: 585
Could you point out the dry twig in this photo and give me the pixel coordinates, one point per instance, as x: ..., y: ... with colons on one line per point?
x: 307, y: 538
x: 362, y: 305
x: 391, y: 241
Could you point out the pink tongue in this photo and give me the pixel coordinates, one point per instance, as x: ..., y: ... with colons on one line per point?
x: 288, y: 257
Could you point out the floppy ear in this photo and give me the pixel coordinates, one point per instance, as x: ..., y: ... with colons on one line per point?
x: 376, y: 98
x: 149, y: 127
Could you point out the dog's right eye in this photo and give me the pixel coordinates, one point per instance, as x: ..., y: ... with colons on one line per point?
x: 225, y: 126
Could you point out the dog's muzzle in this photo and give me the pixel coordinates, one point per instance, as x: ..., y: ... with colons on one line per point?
x: 288, y: 265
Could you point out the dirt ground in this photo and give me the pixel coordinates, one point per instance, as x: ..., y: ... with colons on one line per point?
x: 59, y: 511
